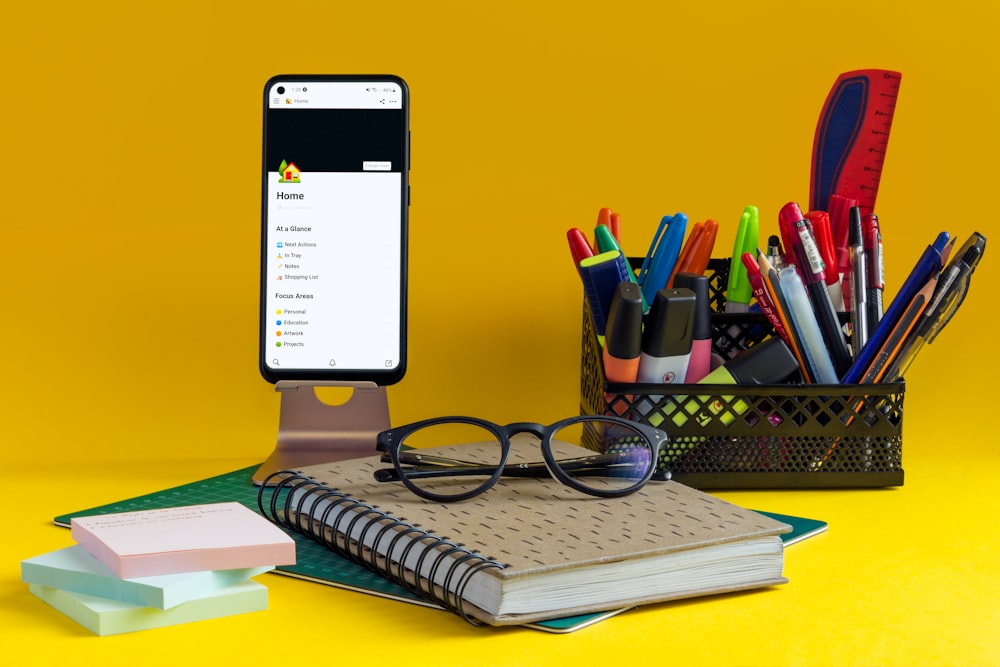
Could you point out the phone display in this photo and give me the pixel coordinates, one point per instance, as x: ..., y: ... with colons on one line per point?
x: 334, y: 228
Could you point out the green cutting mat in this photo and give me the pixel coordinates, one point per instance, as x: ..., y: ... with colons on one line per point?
x: 313, y: 561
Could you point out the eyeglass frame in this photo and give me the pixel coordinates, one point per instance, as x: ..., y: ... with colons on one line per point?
x: 390, y: 440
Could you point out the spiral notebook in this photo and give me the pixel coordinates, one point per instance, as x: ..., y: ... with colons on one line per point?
x: 531, y: 549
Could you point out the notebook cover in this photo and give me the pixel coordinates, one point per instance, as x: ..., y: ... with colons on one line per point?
x: 73, y: 569
x: 539, y: 527
x: 111, y: 617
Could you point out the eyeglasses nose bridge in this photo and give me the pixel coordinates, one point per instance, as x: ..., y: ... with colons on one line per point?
x: 535, y: 429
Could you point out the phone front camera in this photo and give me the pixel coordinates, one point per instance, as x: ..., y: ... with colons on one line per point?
x: 281, y: 90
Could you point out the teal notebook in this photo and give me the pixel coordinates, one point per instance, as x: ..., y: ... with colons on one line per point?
x: 316, y: 563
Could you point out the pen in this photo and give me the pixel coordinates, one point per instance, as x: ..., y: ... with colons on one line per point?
x: 662, y: 255
x: 800, y: 309
x: 774, y: 254
x: 810, y: 265
x: 760, y: 293
x: 894, y: 342
x: 858, y: 288
x: 953, y: 285
x: 738, y: 290
x: 771, y: 283
x: 820, y: 222
x: 927, y: 265
x: 874, y: 268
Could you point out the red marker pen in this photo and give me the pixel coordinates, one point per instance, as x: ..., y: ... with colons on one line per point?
x: 810, y: 266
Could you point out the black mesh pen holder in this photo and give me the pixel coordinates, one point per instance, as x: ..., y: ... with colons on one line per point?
x: 756, y: 436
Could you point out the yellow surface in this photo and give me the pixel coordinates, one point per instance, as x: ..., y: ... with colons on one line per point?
x: 131, y: 143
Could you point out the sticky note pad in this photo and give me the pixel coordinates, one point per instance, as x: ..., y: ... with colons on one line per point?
x: 218, y: 536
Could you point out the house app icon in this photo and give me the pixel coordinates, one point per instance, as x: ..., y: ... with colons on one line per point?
x: 289, y: 172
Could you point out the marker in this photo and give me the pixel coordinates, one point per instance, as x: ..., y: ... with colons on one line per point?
x: 701, y: 332
x: 820, y: 222
x: 738, y: 290
x: 666, y: 338
x: 622, y: 340
x: 857, y: 284
x: 769, y: 362
x: 600, y: 275
x: 839, y: 206
x: 579, y: 247
x: 697, y: 250
x: 606, y: 242
x: 662, y: 255
x: 810, y: 266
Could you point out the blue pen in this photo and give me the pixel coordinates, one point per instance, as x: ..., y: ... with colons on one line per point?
x: 662, y: 255
x: 928, y: 265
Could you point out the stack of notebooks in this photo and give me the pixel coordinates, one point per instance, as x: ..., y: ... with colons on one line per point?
x: 148, y: 569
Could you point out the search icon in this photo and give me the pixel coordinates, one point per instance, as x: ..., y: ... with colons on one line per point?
x: 274, y: 362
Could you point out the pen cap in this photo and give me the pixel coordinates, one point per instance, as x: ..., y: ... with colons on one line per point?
x: 854, y: 237
x: 623, y: 336
x: 769, y: 362
x: 701, y: 327
x: 670, y: 323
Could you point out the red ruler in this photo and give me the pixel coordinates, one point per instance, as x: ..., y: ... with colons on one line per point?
x: 851, y: 138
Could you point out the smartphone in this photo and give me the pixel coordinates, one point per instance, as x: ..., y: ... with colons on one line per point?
x: 335, y: 203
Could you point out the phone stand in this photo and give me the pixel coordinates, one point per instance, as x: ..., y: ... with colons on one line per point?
x: 311, y: 431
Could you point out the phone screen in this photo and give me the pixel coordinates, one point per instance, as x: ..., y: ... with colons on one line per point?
x: 334, y: 214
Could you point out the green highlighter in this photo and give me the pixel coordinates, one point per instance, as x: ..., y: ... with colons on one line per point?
x: 769, y: 362
x: 738, y: 289
x: 607, y: 242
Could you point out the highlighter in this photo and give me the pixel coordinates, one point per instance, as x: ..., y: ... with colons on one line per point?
x: 600, y: 275
x: 666, y: 339
x: 700, y: 362
x: 769, y: 362
x: 623, y: 337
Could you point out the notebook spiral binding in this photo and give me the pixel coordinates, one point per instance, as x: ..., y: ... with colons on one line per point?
x: 301, y: 504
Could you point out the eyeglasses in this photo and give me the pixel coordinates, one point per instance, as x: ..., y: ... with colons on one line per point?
x: 602, y: 456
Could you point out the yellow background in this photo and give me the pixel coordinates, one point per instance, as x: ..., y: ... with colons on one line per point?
x: 131, y: 199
